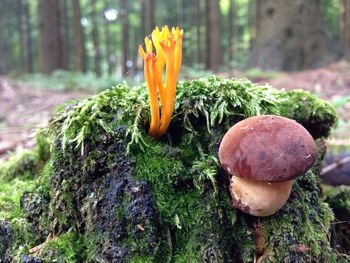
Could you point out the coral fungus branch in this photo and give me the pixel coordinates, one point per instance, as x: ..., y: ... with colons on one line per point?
x: 168, y: 46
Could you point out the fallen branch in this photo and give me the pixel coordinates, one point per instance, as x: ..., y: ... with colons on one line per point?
x: 335, y: 165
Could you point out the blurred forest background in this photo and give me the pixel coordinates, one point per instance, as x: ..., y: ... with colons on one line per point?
x: 102, y: 36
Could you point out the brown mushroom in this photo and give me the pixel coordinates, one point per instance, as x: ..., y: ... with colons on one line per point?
x: 263, y: 154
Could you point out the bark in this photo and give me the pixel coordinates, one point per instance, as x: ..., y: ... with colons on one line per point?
x: 95, y: 38
x: 108, y: 45
x: 345, y: 24
x: 78, y: 30
x: 25, y: 37
x: 291, y: 35
x: 213, y: 35
x: 125, y: 35
x: 50, y: 40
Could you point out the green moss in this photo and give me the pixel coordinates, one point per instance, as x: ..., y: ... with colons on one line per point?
x: 28, y: 162
x: 68, y: 247
x: 20, y: 174
x: 338, y: 197
x: 316, y: 115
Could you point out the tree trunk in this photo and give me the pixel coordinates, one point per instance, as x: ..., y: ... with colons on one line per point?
x: 197, y: 13
x: 151, y: 11
x: 64, y: 30
x: 213, y: 35
x: 251, y: 20
x: 50, y: 41
x: 26, y: 37
x: 147, y: 16
x: 4, y: 43
x: 231, y: 25
x: 144, y: 30
x: 78, y: 37
x: 290, y: 35
x: 345, y: 24
x: 125, y: 35
x: 108, y: 50
x: 95, y: 38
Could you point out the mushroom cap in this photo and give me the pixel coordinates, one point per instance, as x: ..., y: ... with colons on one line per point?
x: 259, y: 198
x: 267, y: 148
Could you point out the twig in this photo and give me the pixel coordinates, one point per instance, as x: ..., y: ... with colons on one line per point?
x: 36, y: 249
x: 335, y: 165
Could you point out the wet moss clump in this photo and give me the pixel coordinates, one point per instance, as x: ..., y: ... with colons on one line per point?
x: 110, y: 193
x: 338, y: 199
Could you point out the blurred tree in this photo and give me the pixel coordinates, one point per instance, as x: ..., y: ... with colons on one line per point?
x: 107, y: 36
x: 231, y: 29
x: 147, y: 17
x: 213, y: 35
x: 291, y: 36
x: 25, y: 36
x: 50, y: 38
x: 95, y: 38
x: 65, y: 32
x: 4, y: 43
x: 197, y: 15
x: 78, y: 30
x: 345, y: 24
x: 125, y: 35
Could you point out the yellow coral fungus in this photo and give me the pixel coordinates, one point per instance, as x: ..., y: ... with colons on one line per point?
x: 168, y: 46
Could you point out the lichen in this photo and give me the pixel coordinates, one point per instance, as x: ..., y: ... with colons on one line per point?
x: 112, y: 193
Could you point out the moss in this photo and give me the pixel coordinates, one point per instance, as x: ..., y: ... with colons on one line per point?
x: 129, y: 198
x: 68, y: 247
x: 316, y: 115
x: 338, y: 199
x: 29, y: 162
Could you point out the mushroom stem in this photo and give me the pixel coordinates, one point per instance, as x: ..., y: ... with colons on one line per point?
x: 259, y: 198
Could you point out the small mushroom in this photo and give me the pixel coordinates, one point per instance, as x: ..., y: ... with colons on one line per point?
x: 263, y: 154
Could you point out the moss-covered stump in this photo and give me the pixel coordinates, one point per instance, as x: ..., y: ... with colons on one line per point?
x: 110, y: 193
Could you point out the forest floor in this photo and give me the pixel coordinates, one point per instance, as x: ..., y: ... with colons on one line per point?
x: 24, y: 107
